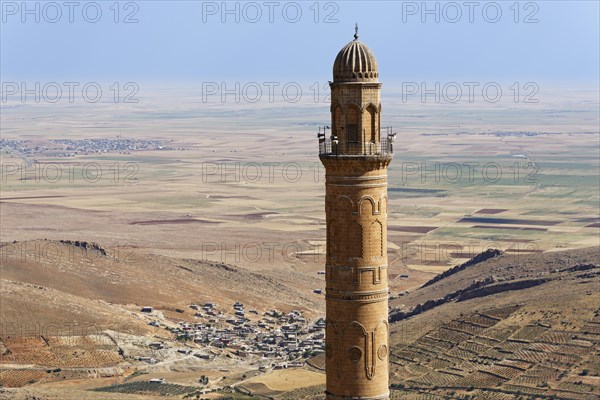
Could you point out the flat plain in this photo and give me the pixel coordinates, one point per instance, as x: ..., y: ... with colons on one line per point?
x: 224, y: 202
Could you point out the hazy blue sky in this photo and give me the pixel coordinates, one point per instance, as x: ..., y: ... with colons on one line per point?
x: 188, y: 40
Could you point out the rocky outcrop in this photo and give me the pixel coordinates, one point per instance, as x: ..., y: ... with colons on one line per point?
x: 479, y: 288
x: 580, y: 267
x: 462, y: 294
x: 486, y: 255
x: 429, y: 304
x: 85, y: 246
x: 501, y: 287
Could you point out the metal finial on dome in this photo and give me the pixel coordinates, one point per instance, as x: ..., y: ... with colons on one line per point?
x: 356, y: 31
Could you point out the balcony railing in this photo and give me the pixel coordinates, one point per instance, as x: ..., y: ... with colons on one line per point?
x: 336, y: 148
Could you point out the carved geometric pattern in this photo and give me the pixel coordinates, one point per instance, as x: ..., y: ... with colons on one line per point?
x: 383, y: 204
x: 362, y: 344
x: 382, y: 352
x: 375, y: 239
x: 355, y: 354
x: 343, y: 206
x: 364, y: 208
x: 375, y: 297
x: 370, y: 359
x: 344, y: 238
x: 380, y: 334
x: 355, y: 337
x: 376, y: 273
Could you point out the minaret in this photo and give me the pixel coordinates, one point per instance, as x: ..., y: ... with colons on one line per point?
x: 356, y: 160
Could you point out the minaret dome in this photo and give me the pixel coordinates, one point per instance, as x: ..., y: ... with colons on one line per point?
x: 355, y: 63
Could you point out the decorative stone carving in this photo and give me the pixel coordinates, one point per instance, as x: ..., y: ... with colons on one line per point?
x: 382, y: 352
x: 355, y: 354
x: 366, y: 206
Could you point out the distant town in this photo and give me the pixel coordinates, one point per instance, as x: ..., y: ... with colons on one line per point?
x: 74, y: 147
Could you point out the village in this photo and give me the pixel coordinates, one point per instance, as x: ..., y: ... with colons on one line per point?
x: 268, y: 341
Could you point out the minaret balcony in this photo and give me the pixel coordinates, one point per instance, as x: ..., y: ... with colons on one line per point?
x: 335, y: 148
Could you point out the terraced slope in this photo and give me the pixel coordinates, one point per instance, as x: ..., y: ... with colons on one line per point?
x: 529, y: 328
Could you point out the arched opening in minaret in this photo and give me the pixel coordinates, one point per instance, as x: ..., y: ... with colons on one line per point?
x: 338, y: 124
x: 371, y: 135
x: 352, y: 116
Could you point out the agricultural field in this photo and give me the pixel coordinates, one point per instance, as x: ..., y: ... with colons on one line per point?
x: 225, y: 203
x: 283, y: 380
x: 455, y: 188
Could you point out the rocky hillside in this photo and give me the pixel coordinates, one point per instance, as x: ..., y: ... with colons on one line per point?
x: 502, y: 328
x: 49, y: 282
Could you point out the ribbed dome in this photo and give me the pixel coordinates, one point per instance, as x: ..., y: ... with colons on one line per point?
x: 355, y: 63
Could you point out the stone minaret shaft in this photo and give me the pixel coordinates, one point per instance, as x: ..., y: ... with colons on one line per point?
x: 356, y: 160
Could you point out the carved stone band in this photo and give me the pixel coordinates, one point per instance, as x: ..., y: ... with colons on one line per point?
x: 363, y: 297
